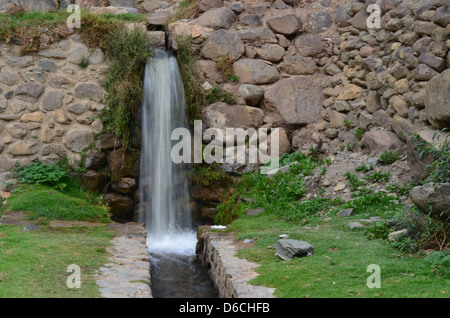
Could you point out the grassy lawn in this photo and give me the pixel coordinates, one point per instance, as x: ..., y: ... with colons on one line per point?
x: 338, y: 267
x: 33, y: 264
x: 48, y: 202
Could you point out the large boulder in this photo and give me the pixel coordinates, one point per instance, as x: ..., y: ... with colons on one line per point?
x: 286, y: 24
x: 78, y: 138
x: 28, y: 5
x: 376, y: 141
x: 437, y: 99
x: 218, y: 18
x: 221, y: 115
x: 222, y: 43
x: 288, y: 248
x: 294, y: 101
x: 434, y: 198
x: 309, y: 45
x: 255, y: 72
x: 121, y: 206
x: 298, y: 65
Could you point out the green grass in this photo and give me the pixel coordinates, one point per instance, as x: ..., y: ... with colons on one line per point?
x: 33, y: 264
x: 50, y: 203
x: 338, y: 267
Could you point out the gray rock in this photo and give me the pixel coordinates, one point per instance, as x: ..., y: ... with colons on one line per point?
x: 55, y: 54
x: 395, y: 236
x: 255, y: 72
x: 218, y: 18
x: 320, y: 22
x: 432, y: 61
x: 258, y: 35
x: 309, y: 45
x: 222, y: 43
x: 19, y: 62
x: 52, y: 100
x: 296, y: 101
x: 270, y: 52
x: 23, y: 148
x: 237, y: 7
x: 251, y: 19
x: 285, y: 24
x: 346, y: 212
x: 205, y: 5
x: 289, y: 248
x: 424, y: 73
x: 17, y: 130
x: 78, y: 138
x: 434, y: 198
x: 298, y: 65
x: 354, y: 225
x: 8, y: 78
x: 376, y: 141
x: 76, y: 108
x: 437, y: 99
x: 29, y: 92
x: 359, y: 21
x: 35, y: 74
x: 122, y: 3
x: 47, y: 66
x: 251, y: 93
x: 88, y: 91
x: 78, y: 53
x: 342, y: 16
x: 221, y: 115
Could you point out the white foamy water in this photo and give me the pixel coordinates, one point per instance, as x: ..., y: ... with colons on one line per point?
x: 180, y: 243
x: 163, y: 184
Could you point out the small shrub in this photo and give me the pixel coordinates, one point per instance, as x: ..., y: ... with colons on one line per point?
x: 217, y: 94
x: 353, y: 181
x: 378, y: 176
x: 225, y: 65
x: 84, y: 63
x: 440, y: 167
x: 388, y: 157
x: 364, y: 168
x: 377, y: 231
x: 359, y: 132
x: 234, y: 78
x: 440, y: 263
x: 42, y: 173
x: 400, y: 189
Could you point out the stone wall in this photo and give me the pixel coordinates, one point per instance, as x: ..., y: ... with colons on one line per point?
x: 316, y: 70
x: 49, y: 106
x: 229, y: 273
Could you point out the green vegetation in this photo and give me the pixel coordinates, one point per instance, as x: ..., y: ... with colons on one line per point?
x: 378, y: 176
x: 225, y: 66
x: 338, y: 267
x: 217, y: 94
x: 440, y: 152
x: 84, y: 63
x: 128, y: 53
x: 33, y: 264
x: 50, y: 203
x: 388, y: 157
x: 47, y: 190
x: 359, y: 133
x: 186, y: 9
x: 353, y: 181
x: 26, y: 28
x: 187, y: 54
x: 364, y: 168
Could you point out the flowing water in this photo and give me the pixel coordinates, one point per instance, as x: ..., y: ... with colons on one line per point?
x: 163, y: 186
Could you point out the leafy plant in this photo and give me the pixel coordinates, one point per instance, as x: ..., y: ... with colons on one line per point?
x: 388, y: 157
x: 364, y: 168
x: 84, y: 63
x: 440, y: 152
x: 440, y: 263
x: 234, y: 78
x: 400, y: 189
x: 348, y: 124
x: 378, y: 176
x: 216, y: 93
x: 359, y: 132
x: 377, y: 231
x: 42, y: 173
x: 349, y: 146
x: 353, y: 181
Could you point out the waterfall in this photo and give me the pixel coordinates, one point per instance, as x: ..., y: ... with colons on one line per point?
x: 163, y: 184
